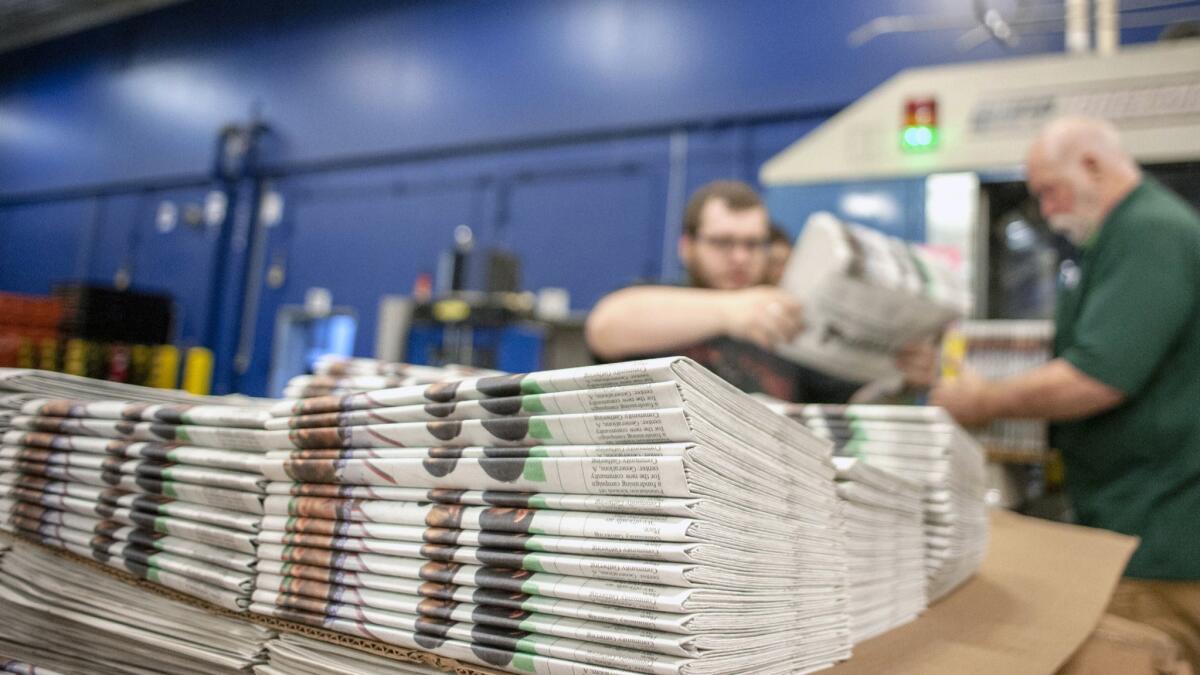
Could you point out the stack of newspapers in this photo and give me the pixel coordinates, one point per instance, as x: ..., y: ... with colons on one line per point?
x: 169, y: 492
x: 49, y: 384
x: 65, y: 617
x: 10, y: 407
x: 340, y: 375
x: 19, y: 385
x: 999, y: 349
x: 638, y: 517
x: 885, y: 547
x: 922, y: 444
x: 866, y: 295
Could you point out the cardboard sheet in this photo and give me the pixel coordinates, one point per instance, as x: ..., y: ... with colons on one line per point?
x: 1041, y: 591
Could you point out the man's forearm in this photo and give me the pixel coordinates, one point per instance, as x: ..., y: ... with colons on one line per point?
x: 654, y: 319
x: 1054, y: 391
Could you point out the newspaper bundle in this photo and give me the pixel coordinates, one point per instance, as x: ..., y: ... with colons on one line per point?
x: 641, y: 517
x: 78, y: 475
x: 885, y: 550
x: 341, y: 366
x: 999, y: 349
x: 922, y: 444
x: 66, y: 617
x: 865, y: 296
x: 341, y: 375
x: 49, y: 384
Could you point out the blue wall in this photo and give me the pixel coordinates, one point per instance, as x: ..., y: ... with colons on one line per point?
x: 560, y: 129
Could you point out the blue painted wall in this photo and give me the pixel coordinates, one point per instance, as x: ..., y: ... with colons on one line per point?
x: 560, y: 129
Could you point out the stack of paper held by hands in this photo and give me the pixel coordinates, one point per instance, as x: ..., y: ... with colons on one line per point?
x: 340, y: 375
x: 865, y: 296
x: 168, y: 492
x: 62, y: 615
x: 922, y: 444
x: 999, y: 349
x: 639, y: 517
x: 885, y: 546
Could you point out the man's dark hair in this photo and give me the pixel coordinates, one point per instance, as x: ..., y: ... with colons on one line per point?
x: 738, y: 196
x: 778, y: 235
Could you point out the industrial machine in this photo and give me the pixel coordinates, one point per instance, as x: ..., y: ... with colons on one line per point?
x: 935, y: 155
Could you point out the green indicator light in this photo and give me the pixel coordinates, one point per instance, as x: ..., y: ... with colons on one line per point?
x: 919, y: 138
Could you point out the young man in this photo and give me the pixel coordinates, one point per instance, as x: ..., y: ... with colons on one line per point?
x: 778, y: 252
x: 1124, y: 386
x: 725, y: 317
x: 724, y: 250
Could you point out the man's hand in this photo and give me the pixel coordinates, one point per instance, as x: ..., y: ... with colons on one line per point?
x: 918, y: 362
x: 764, y: 315
x: 965, y: 398
x: 1052, y: 391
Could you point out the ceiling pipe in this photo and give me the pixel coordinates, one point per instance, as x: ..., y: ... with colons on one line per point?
x: 1078, y: 32
x: 1108, y: 26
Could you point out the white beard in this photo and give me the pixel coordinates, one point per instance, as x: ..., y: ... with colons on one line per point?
x: 1073, y: 226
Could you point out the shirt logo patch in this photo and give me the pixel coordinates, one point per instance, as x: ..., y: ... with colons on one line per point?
x: 1069, y: 274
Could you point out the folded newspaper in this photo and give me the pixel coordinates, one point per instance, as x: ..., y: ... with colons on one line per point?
x: 65, y: 616
x: 641, y: 517
x: 339, y: 375
x: 948, y: 462
x: 340, y: 366
x: 999, y: 349
x: 885, y: 549
x: 48, y: 384
x: 230, y: 531
x: 170, y: 453
x: 73, y: 475
x: 866, y: 295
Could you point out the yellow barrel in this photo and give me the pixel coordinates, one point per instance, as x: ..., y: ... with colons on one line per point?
x: 197, y: 371
x: 164, y: 367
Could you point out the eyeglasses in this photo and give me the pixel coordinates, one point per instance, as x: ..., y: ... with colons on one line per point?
x: 726, y: 245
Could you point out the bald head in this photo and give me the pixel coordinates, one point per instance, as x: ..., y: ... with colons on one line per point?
x: 1078, y: 171
x: 1071, y: 139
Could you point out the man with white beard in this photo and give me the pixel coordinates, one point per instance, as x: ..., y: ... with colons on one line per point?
x: 1123, y: 391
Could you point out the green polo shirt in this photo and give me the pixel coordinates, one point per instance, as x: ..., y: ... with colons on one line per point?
x: 1132, y: 321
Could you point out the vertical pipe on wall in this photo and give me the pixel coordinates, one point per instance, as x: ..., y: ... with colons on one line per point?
x: 1078, y: 33
x: 676, y: 187
x: 1108, y: 32
x: 252, y: 296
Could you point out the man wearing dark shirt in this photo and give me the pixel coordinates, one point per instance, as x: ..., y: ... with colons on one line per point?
x: 726, y: 318
x: 1123, y: 388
